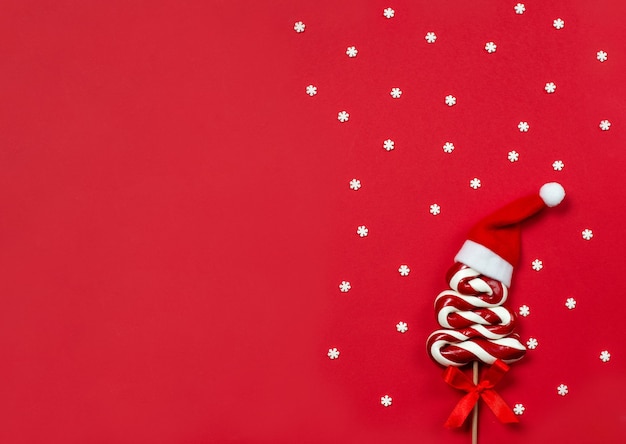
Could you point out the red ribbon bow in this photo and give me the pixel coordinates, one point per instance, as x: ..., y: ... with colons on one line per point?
x: 457, y: 379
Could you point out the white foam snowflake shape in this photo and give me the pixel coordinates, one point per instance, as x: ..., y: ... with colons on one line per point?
x: 513, y: 156
x: 430, y: 37
x: 570, y: 303
x: 532, y: 343
x: 355, y: 184
x: 490, y: 47
x: 562, y: 390
x: 605, y: 125
x: 386, y: 400
x: 523, y: 127
x: 402, y: 327
x: 388, y: 144
x: 605, y: 356
x: 450, y: 100
x: 448, y: 147
x: 362, y: 231
x: 519, y: 9
x: 537, y: 265
x: 435, y: 209
x: 475, y: 183
x: 524, y: 310
x: 602, y: 56
x: 396, y: 93
x: 550, y: 87
x: 558, y: 165
x: 299, y: 27
x: 389, y: 13
x: 343, y: 116
x: 351, y: 51
x: 311, y: 90
x: 519, y: 409
x: 558, y: 23
x: 345, y: 286
x: 587, y: 234
x: 333, y: 353
x: 404, y: 270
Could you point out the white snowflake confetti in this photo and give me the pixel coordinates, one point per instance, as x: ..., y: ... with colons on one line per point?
x: 587, y: 234
x: 343, y: 116
x: 513, y: 156
x: 558, y: 165
x: 345, y: 286
x: 351, y: 51
x: 523, y: 127
x: 333, y: 353
x: 570, y: 303
x: 605, y: 356
x: 362, y: 231
x: 450, y: 100
x: 448, y: 147
x: 524, y: 310
x: 490, y: 47
x: 550, y: 87
x: 562, y: 390
x: 404, y: 270
x: 435, y: 209
x: 532, y: 343
x: 519, y: 409
x: 537, y: 265
x: 605, y: 125
x: 430, y: 37
x: 389, y: 13
x: 299, y: 27
x: 558, y: 23
x: 519, y: 9
x: 311, y: 90
x: 388, y: 144
x: 602, y: 56
x: 355, y: 184
x: 475, y: 183
x: 396, y: 93
x: 402, y: 327
x: 386, y: 400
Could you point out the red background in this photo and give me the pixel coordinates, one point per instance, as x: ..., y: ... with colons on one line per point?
x: 176, y: 216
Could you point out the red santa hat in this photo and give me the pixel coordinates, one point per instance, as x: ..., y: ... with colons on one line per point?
x: 493, y: 245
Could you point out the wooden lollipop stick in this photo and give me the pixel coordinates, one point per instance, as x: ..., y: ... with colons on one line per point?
x: 475, y: 416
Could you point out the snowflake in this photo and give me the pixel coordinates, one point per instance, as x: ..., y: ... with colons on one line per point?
x: 388, y: 144
x: 450, y: 100
x: 524, y: 310
x: 490, y: 47
x: 389, y: 13
x: 523, y: 127
x: 537, y: 265
x: 402, y: 327
x: 605, y: 125
x: 396, y: 93
x: 550, y: 87
x: 532, y: 343
x: 344, y: 287
x: 448, y: 147
x: 430, y: 37
x: 605, y: 356
x: 311, y: 90
x: 558, y: 23
x: 435, y: 209
x: 602, y: 56
x: 519, y: 409
x: 519, y: 9
x: 587, y: 234
x: 351, y: 51
x: 386, y: 400
x: 513, y: 156
x: 343, y: 116
x: 475, y: 183
x: 299, y: 27
x: 362, y: 230
x: 333, y: 353
x: 562, y: 390
x: 570, y: 303
x: 404, y: 270
x: 355, y: 184
x: 558, y: 165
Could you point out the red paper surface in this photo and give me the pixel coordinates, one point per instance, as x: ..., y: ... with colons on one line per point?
x: 177, y: 217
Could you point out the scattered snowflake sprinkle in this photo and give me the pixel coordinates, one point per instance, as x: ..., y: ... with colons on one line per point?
x: 523, y: 127
x: 490, y: 47
x: 362, y: 230
x: 587, y: 234
x: 550, y: 87
x: 602, y: 56
x: 519, y: 409
x: 404, y: 270
x: 524, y: 310
x: 450, y: 100
x: 570, y: 303
x: 537, y: 265
x: 435, y: 209
x: 448, y: 147
x: 344, y: 287
x: 396, y: 93
x: 388, y: 144
x: 475, y: 183
x: 355, y: 184
x: 513, y: 156
x: 389, y: 13
x: 343, y: 116
x: 299, y: 27
x: 605, y: 356
x: 605, y: 125
x: 402, y: 327
x: 430, y: 37
x: 532, y: 343
x: 558, y: 23
x: 519, y: 9
x: 351, y: 51
x: 558, y: 165
x: 562, y: 390
x: 311, y: 90
x: 386, y: 400
x: 333, y: 353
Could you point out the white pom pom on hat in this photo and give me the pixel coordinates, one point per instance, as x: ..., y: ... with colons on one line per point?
x: 552, y: 193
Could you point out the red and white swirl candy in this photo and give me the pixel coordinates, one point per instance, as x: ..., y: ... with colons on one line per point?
x: 477, y: 327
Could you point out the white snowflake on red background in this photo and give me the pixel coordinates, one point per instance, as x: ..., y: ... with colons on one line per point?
x: 524, y: 310
x: 605, y: 125
x: 362, y: 231
x: 355, y: 184
x: 404, y: 270
x: 605, y: 356
x: 448, y: 147
x: 343, y: 116
x: 562, y: 390
x: 550, y: 87
x: 450, y: 100
x: 490, y: 47
x: 396, y: 93
x: 351, y: 51
x: 402, y: 327
x: 537, y: 265
x: 389, y: 13
x: 475, y: 183
x: 587, y: 234
x: 311, y: 90
x: 430, y: 37
x: 519, y: 409
x: 389, y: 145
x: 519, y: 8
x: 532, y: 343
x: 386, y: 400
x: 435, y: 209
x: 299, y: 27
x: 570, y: 303
x: 558, y: 23
x: 345, y: 286
x: 523, y: 127
x: 602, y: 56
x: 333, y: 353
x: 558, y: 165
x: 513, y: 156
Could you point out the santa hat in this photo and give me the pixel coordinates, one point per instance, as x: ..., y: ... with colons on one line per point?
x: 493, y: 245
